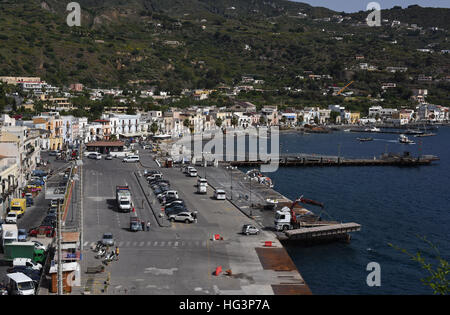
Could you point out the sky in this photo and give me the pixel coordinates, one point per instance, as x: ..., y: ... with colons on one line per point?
x: 360, y: 5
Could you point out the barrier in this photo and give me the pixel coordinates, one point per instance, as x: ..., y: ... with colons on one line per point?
x: 218, y: 271
x: 268, y: 243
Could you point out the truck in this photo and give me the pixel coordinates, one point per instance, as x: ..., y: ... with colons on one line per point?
x: 289, y: 218
x: 123, y: 197
x: 19, y: 206
x: 23, y: 250
x: 9, y: 234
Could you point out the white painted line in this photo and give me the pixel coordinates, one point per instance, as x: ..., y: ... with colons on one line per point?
x: 169, y: 243
x: 204, y: 243
x: 162, y: 243
x: 197, y: 243
x: 155, y: 243
x: 128, y: 244
x: 176, y: 244
x: 85, y: 244
x: 149, y: 243
x: 120, y: 244
x: 134, y: 244
x: 141, y: 243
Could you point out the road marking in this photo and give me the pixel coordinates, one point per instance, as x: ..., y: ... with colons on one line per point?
x: 120, y: 244
x: 162, y: 243
x: 169, y: 243
x: 197, y: 243
x: 176, y: 244
x: 141, y: 243
x: 204, y: 243
x: 134, y: 244
x: 128, y: 244
x: 155, y: 243
x: 85, y: 244
x: 149, y: 243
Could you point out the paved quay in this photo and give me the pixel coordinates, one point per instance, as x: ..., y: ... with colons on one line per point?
x: 176, y: 258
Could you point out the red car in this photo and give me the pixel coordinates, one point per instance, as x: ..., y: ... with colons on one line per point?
x: 46, y: 230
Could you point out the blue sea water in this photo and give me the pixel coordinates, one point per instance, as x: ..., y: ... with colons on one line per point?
x: 393, y: 204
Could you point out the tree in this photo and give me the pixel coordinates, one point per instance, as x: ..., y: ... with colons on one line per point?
x: 154, y: 128
x: 438, y: 275
x: 219, y: 122
x: 262, y: 120
x: 333, y: 116
x: 234, y: 121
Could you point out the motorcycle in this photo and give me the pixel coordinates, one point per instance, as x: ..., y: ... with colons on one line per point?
x: 101, y: 253
x: 110, y: 257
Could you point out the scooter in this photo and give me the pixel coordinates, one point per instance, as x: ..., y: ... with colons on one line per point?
x: 101, y: 253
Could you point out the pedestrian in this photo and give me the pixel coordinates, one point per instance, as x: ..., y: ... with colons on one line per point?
x: 143, y: 225
x: 148, y: 226
x: 117, y: 252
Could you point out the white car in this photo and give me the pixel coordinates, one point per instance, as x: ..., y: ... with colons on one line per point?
x: 220, y: 194
x: 193, y: 172
x: 182, y: 216
x: 95, y: 156
x: 168, y: 194
x: 27, y: 262
x: 11, y: 218
x: 131, y: 159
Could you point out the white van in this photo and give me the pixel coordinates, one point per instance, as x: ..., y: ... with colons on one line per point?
x: 19, y: 284
x: 27, y: 262
x: 202, y: 185
x: 11, y: 218
x: 131, y: 159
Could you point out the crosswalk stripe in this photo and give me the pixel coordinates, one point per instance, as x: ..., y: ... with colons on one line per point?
x: 149, y: 243
x: 169, y: 243
x: 128, y: 244
x: 162, y: 243
x: 141, y: 243
x: 155, y: 243
x: 176, y: 244
x: 197, y: 243
x: 120, y: 244
x: 204, y: 243
x: 85, y: 244
x: 134, y: 243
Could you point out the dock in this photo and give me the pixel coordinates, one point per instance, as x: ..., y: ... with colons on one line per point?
x: 326, y: 231
x: 308, y: 160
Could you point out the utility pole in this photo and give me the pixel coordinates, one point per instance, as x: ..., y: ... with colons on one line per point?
x: 60, y: 286
x: 81, y: 195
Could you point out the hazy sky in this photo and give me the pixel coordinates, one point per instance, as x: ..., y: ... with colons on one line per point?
x: 358, y: 5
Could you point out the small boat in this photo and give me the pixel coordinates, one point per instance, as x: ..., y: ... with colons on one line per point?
x: 364, y: 139
x: 404, y: 139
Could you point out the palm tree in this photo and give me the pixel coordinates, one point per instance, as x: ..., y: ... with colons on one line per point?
x: 219, y: 122
x: 154, y: 128
x: 234, y: 121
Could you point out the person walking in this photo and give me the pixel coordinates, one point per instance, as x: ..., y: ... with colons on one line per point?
x: 117, y: 252
x: 148, y: 226
x: 143, y: 225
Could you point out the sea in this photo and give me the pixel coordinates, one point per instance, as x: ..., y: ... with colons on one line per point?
x: 408, y: 207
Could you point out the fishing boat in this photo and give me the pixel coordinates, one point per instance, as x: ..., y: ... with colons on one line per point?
x: 257, y: 175
x: 405, y: 140
x: 374, y: 129
x: 365, y: 139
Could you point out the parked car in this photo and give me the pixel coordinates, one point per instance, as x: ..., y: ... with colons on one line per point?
x: 39, y: 246
x: 95, y: 156
x: 35, y: 275
x: 11, y: 218
x: 27, y: 262
x: 248, y: 229
x: 182, y: 216
x: 46, y: 230
x: 22, y: 235
x: 172, y: 202
x: 109, y: 157
x: 175, y: 209
x: 167, y: 194
x: 220, y: 194
x: 131, y: 159
x: 108, y: 239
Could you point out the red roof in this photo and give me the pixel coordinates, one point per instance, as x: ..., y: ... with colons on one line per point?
x: 106, y: 144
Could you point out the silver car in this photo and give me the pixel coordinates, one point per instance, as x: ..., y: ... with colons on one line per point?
x: 248, y: 229
x: 186, y: 217
x: 108, y: 239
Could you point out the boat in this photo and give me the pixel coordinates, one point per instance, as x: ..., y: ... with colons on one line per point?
x: 374, y: 129
x: 257, y: 175
x: 365, y: 139
x: 404, y: 139
x: 425, y: 135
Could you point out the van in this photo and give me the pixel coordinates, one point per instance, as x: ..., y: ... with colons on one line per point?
x: 131, y: 159
x: 193, y: 172
x: 18, y: 206
x: 19, y: 284
x: 220, y: 194
x: 11, y: 218
x: 202, y: 185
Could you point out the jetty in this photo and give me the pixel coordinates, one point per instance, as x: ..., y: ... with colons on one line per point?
x: 334, y: 231
x: 309, y: 160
